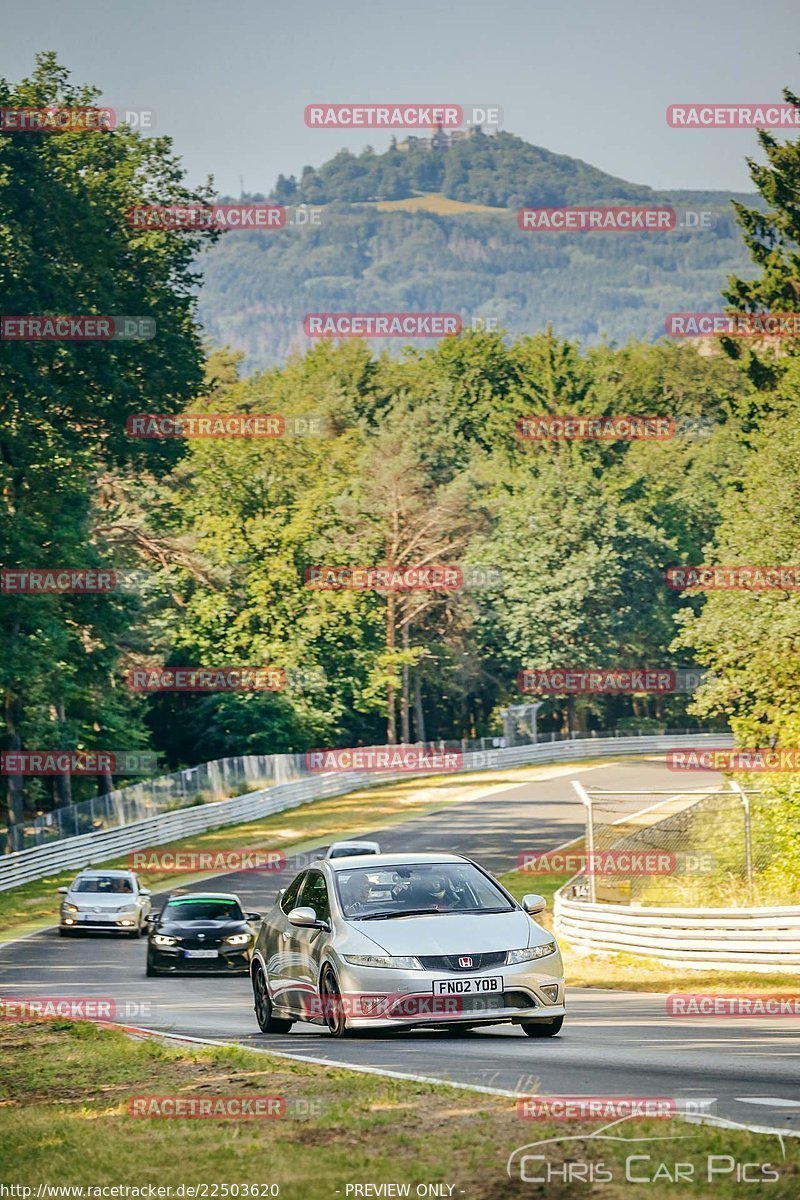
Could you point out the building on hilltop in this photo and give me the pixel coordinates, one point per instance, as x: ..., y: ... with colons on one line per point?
x: 441, y: 139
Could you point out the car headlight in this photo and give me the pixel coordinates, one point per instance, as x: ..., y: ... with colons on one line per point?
x: 401, y: 963
x: 531, y: 952
x: 71, y: 908
x: 162, y: 939
x: 237, y: 939
x: 128, y: 908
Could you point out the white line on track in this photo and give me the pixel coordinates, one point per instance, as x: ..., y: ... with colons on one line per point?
x: 693, y: 1119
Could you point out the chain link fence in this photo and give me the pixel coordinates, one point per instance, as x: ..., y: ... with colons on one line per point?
x: 723, y: 847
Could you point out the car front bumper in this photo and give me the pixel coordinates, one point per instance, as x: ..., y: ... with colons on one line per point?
x: 116, y: 922
x: 230, y: 960
x: 378, y: 998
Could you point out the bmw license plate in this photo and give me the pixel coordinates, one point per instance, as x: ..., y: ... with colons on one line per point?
x: 201, y: 953
x: 468, y: 987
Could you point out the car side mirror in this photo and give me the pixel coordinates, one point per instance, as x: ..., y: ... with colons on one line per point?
x: 534, y: 904
x: 145, y: 892
x: 154, y: 916
x: 252, y: 916
x: 306, y: 918
x: 62, y: 890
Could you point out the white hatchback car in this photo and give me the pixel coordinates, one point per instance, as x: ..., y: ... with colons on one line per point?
x: 111, y: 900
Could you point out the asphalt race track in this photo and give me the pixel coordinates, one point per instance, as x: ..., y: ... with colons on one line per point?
x: 613, y: 1043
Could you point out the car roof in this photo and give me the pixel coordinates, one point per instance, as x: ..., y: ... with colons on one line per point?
x: 393, y: 860
x: 355, y: 842
x: 203, y: 896
x: 95, y: 872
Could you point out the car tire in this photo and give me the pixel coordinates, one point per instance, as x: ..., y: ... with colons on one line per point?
x: 262, y: 1003
x: 64, y: 932
x: 332, y: 1009
x: 150, y: 970
x: 542, y: 1029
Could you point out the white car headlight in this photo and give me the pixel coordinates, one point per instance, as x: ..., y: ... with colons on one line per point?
x: 237, y: 939
x: 71, y: 908
x: 530, y: 953
x: 161, y: 939
x: 401, y: 963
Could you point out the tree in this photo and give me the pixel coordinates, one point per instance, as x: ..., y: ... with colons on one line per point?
x: 68, y: 250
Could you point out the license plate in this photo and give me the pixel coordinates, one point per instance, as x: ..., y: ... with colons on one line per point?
x: 201, y: 953
x: 468, y: 987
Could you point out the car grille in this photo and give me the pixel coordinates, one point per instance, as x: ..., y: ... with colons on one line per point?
x: 449, y: 962
x: 208, y: 943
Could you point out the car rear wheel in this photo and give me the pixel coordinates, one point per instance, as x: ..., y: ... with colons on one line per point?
x: 541, y: 1029
x: 263, y: 1006
x: 332, y: 1006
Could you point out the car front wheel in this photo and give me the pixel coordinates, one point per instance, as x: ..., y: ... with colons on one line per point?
x: 541, y: 1029
x: 263, y: 1006
x: 332, y: 1005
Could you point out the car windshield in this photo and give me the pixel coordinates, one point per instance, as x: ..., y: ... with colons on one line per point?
x: 105, y: 884
x: 202, y: 909
x: 367, y: 893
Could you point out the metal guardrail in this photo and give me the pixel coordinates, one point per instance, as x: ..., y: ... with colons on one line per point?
x: 22, y: 866
x: 709, y: 938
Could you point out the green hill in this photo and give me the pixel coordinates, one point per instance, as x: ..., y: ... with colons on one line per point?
x: 366, y: 257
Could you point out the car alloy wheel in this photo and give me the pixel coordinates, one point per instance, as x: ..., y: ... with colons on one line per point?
x: 263, y: 1006
x: 541, y: 1029
x: 332, y: 1006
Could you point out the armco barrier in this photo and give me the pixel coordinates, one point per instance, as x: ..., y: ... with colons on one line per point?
x: 704, y: 938
x: 39, y: 861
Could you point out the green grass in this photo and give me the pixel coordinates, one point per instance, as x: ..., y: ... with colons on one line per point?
x: 64, y: 1120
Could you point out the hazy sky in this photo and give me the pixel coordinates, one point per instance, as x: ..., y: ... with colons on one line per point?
x: 590, y: 78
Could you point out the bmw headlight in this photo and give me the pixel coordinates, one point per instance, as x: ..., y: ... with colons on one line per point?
x: 237, y: 939
x: 401, y: 963
x: 71, y: 908
x: 162, y: 939
x: 530, y: 953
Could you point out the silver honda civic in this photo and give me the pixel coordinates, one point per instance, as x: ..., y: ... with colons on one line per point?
x: 404, y: 940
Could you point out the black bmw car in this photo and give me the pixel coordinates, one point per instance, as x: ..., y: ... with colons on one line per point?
x: 201, y: 931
